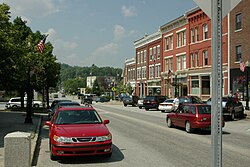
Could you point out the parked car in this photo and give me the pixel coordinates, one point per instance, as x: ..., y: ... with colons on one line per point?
x: 167, y: 106
x: 130, y: 100
x: 59, y: 104
x: 231, y: 107
x: 191, y: 116
x: 152, y: 102
x: 101, y: 99
x: 86, y: 100
x: 78, y: 131
x: 187, y: 99
x: 15, y: 102
x: 140, y: 102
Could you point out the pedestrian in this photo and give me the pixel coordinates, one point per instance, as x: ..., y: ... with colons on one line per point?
x: 176, y: 102
x: 236, y: 94
x: 230, y: 94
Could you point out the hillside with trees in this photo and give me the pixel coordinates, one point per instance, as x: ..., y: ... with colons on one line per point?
x: 74, y: 77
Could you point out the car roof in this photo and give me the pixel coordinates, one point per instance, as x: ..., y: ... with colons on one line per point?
x: 68, y: 103
x: 68, y: 108
x: 196, y: 104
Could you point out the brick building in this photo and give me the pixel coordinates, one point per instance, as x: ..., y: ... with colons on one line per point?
x: 148, y: 64
x: 177, y: 60
x: 239, y: 19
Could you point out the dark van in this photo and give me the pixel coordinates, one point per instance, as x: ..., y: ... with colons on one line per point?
x: 152, y: 102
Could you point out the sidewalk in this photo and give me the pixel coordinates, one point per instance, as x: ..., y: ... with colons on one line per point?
x: 247, y: 112
x: 11, y: 121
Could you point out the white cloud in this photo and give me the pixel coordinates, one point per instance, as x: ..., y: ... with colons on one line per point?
x: 129, y: 11
x: 119, y: 32
x: 109, y: 49
x: 33, y: 8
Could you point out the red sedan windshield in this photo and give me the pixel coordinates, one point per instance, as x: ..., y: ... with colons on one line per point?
x: 78, y: 117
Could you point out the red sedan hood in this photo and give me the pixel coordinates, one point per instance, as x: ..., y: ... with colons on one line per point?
x: 81, y: 130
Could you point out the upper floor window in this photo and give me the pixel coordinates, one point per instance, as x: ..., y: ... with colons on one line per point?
x: 138, y: 58
x: 205, y: 31
x: 178, y: 39
x: 205, y: 57
x: 178, y: 63
x: 151, y: 69
x: 145, y: 56
x: 167, y: 47
x: 154, y: 53
x: 192, y: 36
x: 169, y: 42
x: 192, y: 60
x: 169, y: 64
x: 181, y: 38
x: 158, y: 51
x: 150, y: 54
x: 197, y: 59
x: 158, y: 70
x: 238, y: 22
x: 197, y: 33
x: 238, y: 53
x: 184, y: 38
x: 141, y: 56
x: 184, y: 62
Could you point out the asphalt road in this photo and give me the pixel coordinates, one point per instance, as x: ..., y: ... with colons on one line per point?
x: 142, y: 139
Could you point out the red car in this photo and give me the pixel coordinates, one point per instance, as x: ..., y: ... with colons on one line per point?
x: 191, y: 116
x: 78, y: 131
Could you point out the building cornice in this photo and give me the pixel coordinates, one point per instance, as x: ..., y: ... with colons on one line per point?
x: 148, y: 39
x: 174, y: 24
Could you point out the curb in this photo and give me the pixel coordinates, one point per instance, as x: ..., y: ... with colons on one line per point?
x: 35, y: 139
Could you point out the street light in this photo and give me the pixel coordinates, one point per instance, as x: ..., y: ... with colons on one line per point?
x: 247, y: 98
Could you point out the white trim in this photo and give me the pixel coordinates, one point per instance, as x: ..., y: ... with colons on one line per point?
x: 168, y: 35
x: 181, y: 54
x: 168, y: 57
x: 178, y: 31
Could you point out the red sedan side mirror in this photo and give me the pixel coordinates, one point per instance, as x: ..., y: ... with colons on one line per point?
x: 106, y: 121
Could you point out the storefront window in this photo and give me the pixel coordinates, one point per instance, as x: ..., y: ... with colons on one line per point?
x: 195, y: 85
x: 205, y: 85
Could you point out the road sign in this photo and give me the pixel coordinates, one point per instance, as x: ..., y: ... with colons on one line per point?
x: 206, y: 6
x: 113, y: 89
x: 216, y: 10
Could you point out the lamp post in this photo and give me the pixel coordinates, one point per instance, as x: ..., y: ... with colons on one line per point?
x: 247, y: 98
x: 176, y: 86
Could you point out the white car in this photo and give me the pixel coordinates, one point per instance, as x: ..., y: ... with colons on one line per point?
x: 15, y: 102
x: 140, y: 102
x: 167, y: 105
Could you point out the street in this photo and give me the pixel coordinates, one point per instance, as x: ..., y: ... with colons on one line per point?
x: 142, y: 138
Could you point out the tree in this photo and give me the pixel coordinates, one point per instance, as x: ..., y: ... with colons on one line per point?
x: 129, y: 89
x: 96, y: 88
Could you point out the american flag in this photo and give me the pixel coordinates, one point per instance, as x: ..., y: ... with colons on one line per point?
x: 242, y: 65
x: 40, y: 45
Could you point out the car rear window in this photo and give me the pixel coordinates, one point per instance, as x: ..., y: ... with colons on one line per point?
x: 184, y: 100
x: 204, y: 109
x: 169, y: 101
x: 149, y: 98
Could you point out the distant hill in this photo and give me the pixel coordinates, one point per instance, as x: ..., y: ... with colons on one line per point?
x: 70, y: 72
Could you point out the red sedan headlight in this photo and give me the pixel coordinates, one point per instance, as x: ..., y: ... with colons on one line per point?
x: 61, y: 139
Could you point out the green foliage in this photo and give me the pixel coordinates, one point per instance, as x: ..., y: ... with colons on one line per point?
x: 72, y: 85
x: 129, y: 89
x: 20, y: 62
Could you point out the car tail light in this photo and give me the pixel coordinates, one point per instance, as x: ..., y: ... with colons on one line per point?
x: 154, y: 102
x: 201, y: 119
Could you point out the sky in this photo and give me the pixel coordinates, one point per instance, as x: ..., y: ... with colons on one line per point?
x: 100, y: 32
